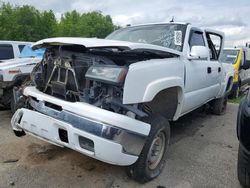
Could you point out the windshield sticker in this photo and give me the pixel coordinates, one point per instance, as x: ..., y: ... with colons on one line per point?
x: 178, y: 38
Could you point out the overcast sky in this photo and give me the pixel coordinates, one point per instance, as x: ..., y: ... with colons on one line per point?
x: 230, y: 16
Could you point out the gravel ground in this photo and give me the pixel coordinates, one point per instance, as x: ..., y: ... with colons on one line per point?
x: 203, y: 153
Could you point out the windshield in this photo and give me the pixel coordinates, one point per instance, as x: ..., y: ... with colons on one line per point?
x: 229, y: 56
x: 28, y: 52
x: 166, y: 35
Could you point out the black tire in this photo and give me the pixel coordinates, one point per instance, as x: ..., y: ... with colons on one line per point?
x: 243, y: 167
x: 6, y: 99
x: 19, y: 133
x: 235, y: 92
x: 142, y: 171
x: 219, y: 106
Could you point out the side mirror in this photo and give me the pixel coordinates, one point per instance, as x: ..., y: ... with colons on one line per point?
x: 246, y: 65
x: 198, y: 52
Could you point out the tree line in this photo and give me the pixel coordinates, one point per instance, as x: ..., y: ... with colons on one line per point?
x: 26, y: 23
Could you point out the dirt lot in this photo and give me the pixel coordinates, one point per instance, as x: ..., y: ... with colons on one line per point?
x: 203, y: 153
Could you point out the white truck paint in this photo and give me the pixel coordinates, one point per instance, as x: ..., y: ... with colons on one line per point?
x: 12, y: 68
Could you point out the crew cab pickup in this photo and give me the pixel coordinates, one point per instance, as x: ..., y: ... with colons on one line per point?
x: 15, y: 72
x: 112, y: 99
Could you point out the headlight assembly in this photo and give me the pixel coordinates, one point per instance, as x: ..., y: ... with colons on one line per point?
x: 108, y: 74
x: 35, y: 74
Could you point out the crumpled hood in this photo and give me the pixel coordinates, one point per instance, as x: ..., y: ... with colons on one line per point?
x: 18, y: 62
x: 98, y: 43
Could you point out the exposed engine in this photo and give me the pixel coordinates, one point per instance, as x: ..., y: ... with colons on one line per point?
x: 95, y: 76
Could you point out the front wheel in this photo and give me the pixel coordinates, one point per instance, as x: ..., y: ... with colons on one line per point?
x: 153, y: 156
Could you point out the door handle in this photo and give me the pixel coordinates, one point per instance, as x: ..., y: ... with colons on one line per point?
x: 219, y: 69
x: 209, y: 70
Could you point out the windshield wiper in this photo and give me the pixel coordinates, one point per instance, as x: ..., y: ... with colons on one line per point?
x: 108, y: 49
x: 151, y: 53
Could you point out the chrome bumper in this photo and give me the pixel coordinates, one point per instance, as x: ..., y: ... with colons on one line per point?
x: 111, y: 137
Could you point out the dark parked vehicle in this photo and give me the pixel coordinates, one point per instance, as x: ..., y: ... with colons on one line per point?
x: 243, y: 133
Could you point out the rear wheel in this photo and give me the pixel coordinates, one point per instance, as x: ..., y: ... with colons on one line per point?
x: 153, y: 156
x: 219, y: 106
x: 235, y: 92
x: 243, y: 167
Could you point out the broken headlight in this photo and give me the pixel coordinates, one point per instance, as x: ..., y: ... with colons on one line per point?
x: 36, y: 75
x: 108, y: 74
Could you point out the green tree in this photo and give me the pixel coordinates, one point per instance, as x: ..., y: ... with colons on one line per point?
x: 92, y: 24
x: 48, y: 23
x: 6, y: 21
x: 26, y: 23
x: 96, y: 25
x: 69, y: 25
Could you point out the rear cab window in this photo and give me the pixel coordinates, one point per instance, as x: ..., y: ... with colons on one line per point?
x: 6, y: 51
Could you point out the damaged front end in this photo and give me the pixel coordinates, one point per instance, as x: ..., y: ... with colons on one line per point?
x: 75, y: 100
x: 96, y: 77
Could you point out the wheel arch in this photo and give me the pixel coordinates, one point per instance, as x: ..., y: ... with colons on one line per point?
x: 167, y: 102
x: 229, y: 84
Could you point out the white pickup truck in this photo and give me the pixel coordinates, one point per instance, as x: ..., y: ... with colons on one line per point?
x: 112, y: 99
x: 14, y: 72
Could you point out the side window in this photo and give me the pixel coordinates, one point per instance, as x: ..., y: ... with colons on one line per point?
x: 20, y: 47
x: 214, y: 43
x: 196, y: 39
x: 6, y: 51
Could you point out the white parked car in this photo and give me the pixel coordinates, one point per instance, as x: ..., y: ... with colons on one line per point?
x: 15, y: 72
x: 11, y: 49
x: 112, y: 99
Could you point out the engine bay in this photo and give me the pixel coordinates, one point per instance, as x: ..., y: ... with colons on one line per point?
x: 95, y: 76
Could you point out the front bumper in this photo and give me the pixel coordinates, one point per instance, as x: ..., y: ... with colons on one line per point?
x: 101, y: 134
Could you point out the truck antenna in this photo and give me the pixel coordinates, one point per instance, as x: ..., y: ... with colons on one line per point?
x: 171, y: 21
